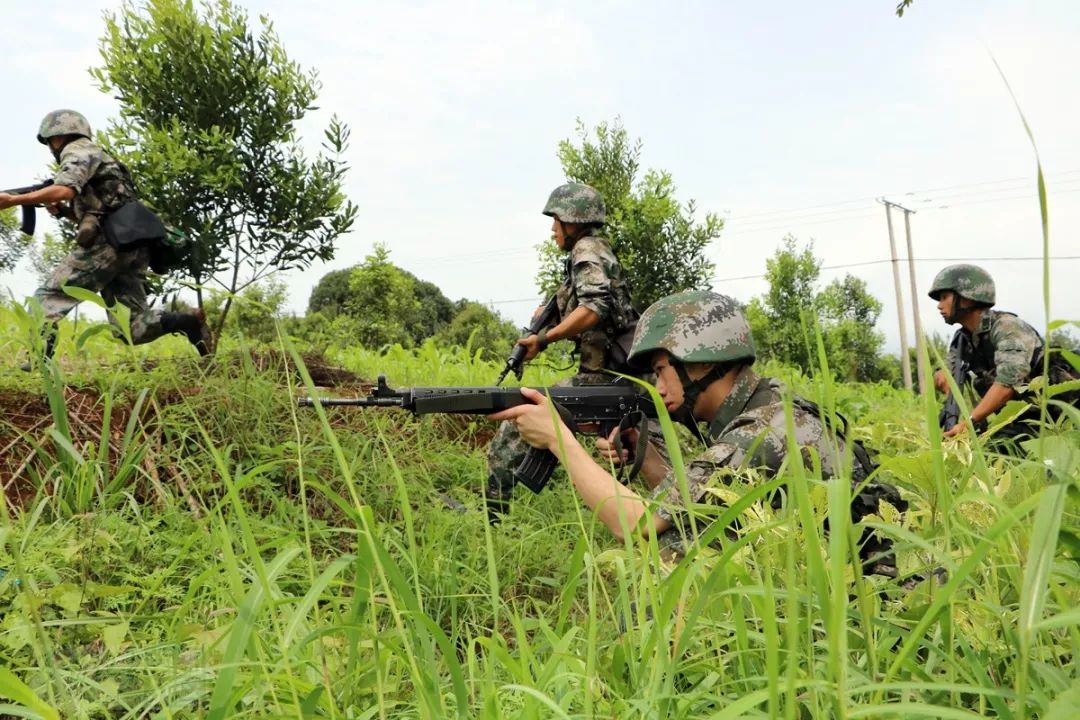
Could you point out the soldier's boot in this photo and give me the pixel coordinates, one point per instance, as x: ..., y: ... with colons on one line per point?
x: 193, y: 325
x: 49, y: 335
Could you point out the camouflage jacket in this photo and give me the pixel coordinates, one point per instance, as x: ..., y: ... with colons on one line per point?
x: 101, y: 183
x: 1004, y: 349
x: 749, y: 430
x: 594, y: 279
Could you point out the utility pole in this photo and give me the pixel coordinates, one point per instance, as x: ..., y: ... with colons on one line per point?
x: 905, y: 360
x: 920, y: 341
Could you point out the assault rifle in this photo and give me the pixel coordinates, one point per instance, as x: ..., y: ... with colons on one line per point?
x: 600, y: 407
x: 958, y: 350
x: 541, y: 320
x: 29, y: 213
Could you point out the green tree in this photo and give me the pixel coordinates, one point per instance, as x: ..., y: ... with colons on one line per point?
x: 330, y: 296
x: 382, y: 300
x: 783, y: 319
x: 656, y: 238
x: 208, y: 115
x: 333, y: 295
x: 777, y: 317
x: 13, y: 243
x: 257, y: 310
x: 434, y: 312
x: 481, y: 326
x: 849, y: 315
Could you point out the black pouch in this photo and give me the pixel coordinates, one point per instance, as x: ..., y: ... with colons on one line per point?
x: 132, y: 225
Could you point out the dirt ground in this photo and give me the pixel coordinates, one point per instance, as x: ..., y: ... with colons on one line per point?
x: 27, y: 450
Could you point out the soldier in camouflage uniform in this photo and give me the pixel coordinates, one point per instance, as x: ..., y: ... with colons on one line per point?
x: 700, y: 347
x: 1002, y: 351
x: 89, y: 185
x: 594, y: 311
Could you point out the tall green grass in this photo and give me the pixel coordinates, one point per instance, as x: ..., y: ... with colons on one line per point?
x: 308, y: 569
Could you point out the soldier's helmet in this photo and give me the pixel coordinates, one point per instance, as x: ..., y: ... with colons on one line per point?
x: 694, y: 326
x: 63, y: 122
x: 576, y: 203
x: 969, y: 281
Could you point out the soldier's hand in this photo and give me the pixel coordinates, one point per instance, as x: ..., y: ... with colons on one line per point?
x: 941, y: 381
x: 6, y: 200
x: 956, y: 429
x: 532, y: 346
x: 54, y: 209
x: 605, y: 447
x: 533, y: 420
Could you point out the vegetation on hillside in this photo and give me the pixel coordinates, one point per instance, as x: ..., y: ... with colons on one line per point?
x: 180, y: 540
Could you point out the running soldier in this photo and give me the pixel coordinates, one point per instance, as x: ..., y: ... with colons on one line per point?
x: 89, y: 185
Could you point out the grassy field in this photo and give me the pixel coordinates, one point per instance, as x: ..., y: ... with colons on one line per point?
x: 180, y: 540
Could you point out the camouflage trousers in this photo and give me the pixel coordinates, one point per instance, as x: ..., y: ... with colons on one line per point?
x: 120, y: 277
x: 508, y: 448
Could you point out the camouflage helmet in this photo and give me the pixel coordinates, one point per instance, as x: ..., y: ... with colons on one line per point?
x: 63, y: 122
x: 576, y: 203
x: 694, y: 326
x: 969, y: 281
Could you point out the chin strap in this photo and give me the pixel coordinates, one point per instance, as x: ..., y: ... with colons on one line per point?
x: 571, y: 240
x: 692, y: 390
x: 957, y: 312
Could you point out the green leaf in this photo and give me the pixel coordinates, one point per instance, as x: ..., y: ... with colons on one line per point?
x: 84, y: 295
x: 1065, y: 706
x: 15, y: 689
x: 113, y: 635
x: 88, y: 333
x: 1039, y: 558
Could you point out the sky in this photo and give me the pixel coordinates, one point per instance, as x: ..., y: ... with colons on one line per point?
x: 783, y: 117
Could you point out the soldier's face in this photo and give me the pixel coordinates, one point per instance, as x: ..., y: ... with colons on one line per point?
x: 945, y: 304
x: 668, y: 383
x: 558, y: 233
x: 952, y: 307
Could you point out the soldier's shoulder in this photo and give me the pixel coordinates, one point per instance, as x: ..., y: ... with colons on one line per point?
x: 1007, y: 324
x: 79, y: 149
x: 591, y: 248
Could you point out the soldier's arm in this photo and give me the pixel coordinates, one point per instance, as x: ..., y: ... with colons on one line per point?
x: 994, y: 399
x: 44, y: 196
x: 621, y: 509
x: 578, y: 321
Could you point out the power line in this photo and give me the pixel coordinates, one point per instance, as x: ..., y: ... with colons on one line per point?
x: 837, y: 203
x: 844, y: 266
x: 771, y: 220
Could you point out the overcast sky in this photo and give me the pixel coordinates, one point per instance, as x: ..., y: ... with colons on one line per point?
x: 785, y: 117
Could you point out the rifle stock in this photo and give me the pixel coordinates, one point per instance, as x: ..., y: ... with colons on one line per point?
x: 616, y: 405
x: 29, y: 212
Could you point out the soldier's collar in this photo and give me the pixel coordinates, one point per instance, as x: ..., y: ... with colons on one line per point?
x: 734, y: 404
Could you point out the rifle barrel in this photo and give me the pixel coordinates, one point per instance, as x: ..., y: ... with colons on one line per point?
x: 361, y: 402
